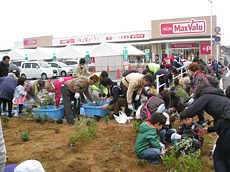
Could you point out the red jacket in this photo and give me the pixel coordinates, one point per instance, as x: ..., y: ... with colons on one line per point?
x: 57, y: 86
x: 172, y: 58
x: 167, y: 62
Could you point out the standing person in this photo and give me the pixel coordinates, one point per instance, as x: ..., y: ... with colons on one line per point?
x: 56, y: 88
x: 7, y: 88
x: 177, y: 61
x: 4, y: 66
x: 32, y: 89
x: 118, y: 100
x: 172, y: 58
x: 20, y: 94
x: 214, y: 102
x: 167, y: 62
x: 131, y: 87
x: 98, y: 86
x: 225, y: 62
x: 157, y: 59
x: 147, y: 145
x: 80, y: 69
x: 191, y: 57
x: 215, y: 66
x: 71, y: 91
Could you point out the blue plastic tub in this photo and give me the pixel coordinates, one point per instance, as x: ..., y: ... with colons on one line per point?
x: 90, y: 111
x: 52, y: 113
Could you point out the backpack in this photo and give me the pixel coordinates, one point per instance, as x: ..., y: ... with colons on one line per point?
x: 128, y: 72
x: 145, y: 112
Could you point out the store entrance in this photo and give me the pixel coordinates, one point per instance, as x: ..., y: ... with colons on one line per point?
x: 185, y: 52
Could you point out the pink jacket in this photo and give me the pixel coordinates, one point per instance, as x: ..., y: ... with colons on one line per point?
x: 57, y: 86
x: 167, y: 62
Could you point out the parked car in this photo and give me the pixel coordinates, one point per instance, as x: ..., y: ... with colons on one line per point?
x: 18, y: 63
x: 14, y: 69
x: 62, y: 68
x: 34, y: 69
x: 71, y: 63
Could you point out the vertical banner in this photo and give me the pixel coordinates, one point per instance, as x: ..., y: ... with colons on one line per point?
x: 87, y: 58
x: 125, y: 54
x: 147, y: 55
x: 26, y: 58
x: 54, y: 57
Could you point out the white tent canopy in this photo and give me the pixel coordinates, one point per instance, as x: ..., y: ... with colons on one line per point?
x: 75, y: 52
x: 19, y: 54
x: 44, y: 53
x: 111, y: 55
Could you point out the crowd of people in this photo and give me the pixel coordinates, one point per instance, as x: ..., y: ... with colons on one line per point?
x: 200, y: 93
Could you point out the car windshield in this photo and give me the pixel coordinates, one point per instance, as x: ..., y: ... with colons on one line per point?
x: 44, y: 64
x: 62, y: 64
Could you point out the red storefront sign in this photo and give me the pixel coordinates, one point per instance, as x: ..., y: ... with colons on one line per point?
x: 137, y: 36
x: 183, y: 45
x: 186, y: 27
x: 30, y: 42
x: 205, y: 48
x: 67, y: 41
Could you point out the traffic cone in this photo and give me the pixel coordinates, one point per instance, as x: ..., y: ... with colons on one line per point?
x: 137, y: 69
x: 107, y: 68
x: 93, y: 69
x: 118, y: 74
x: 123, y: 67
x: 143, y: 67
x: 129, y: 67
x: 49, y: 81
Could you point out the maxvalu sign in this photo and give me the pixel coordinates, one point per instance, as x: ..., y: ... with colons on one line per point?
x: 184, y: 27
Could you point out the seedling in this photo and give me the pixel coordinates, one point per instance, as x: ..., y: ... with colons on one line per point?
x: 57, y: 129
x: 136, y: 126
x: 141, y: 162
x: 5, y: 119
x: 116, y: 145
x: 106, y: 119
x: 25, y: 135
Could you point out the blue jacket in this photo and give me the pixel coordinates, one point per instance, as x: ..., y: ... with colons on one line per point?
x: 7, y: 87
x: 215, y: 67
x: 177, y: 62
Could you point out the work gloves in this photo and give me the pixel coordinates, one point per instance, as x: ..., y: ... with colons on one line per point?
x: 175, y: 136
x: 130, y: 107
x: 50, y: 94
x: 137, y: 97
x: 76, y: 95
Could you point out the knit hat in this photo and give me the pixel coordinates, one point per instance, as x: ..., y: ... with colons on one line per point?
x: 95, y: 78
x: 29, y: 166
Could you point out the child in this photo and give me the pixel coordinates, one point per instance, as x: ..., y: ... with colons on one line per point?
x: 147, y: 145
x: 20, y: 94
x: 189, y: 129
x: 167, y: 130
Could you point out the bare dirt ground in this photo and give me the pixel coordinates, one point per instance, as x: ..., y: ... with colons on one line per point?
x: 54, y: 151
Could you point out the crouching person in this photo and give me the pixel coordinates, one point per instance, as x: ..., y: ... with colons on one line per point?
x: 114, y: 91
x: 71, y: 91
x: 147, y: 145
x: 189, y: 129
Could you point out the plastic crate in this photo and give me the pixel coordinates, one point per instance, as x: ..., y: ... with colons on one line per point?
x: 90, y: 111
x: 52, y: 113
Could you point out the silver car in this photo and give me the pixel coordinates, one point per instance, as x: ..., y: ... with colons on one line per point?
x: 62, y: 68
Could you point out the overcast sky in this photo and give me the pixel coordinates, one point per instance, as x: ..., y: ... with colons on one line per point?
x: 65, y: 18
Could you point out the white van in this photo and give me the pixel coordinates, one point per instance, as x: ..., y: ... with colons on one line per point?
x: 34, y: 69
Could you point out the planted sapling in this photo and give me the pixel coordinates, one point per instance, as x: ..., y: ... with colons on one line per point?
x: 5, y: 119
x: 25, y: 135
x: 116, y: 145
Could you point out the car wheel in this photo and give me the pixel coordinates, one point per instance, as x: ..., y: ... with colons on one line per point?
x: 63, y: 73
x: 44, y: 76
x: 23, y: 75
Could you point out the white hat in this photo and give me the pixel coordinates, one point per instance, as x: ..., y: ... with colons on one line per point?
x: 167, y: 118
x: 29, y: 166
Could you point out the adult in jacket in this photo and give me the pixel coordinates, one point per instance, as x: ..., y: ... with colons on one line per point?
x: 71, y: 91
x: 4, y: 66
x: 56, y: 88
x: 8, y: 85
x: 80, y: 69
x: 114, y: 91
x: 177, y: 61
x: 131, y: 87
x: 214, y: 102
x: 215, y: 67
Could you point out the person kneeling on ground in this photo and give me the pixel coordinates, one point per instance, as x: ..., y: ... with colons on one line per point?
x: 189, y: 129
x: 118, y: 100
x: 71, y: 91
x: 148, y: 145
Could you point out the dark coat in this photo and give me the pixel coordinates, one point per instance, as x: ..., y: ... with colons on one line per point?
x: 7, y: 87
x: 4, y: 69
x: 214, y: 102
x: 163, y: 79
x: 115, y: 92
